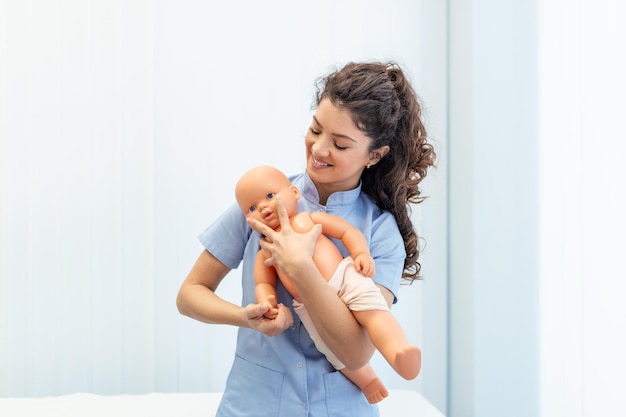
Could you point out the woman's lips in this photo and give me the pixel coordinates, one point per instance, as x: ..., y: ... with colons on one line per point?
x: 318, y: 163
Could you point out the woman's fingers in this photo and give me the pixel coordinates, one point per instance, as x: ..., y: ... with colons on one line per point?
x: 286, y: 249
x: 255, y: 316
x: 264, y: 229
x: 283, y: 217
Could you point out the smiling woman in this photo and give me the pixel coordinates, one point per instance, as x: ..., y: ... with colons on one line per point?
x: 363, y: 189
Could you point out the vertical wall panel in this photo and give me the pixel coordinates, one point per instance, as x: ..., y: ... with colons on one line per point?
x: 604, y: 284
x: 4, y: 200
x: 432, y: 84
x: 561, y: 212
x: 76, y: 147
x: 137, y: 138
x: 167, y: 157
x: 19, y: 121
x: 494, y: 219
x: 106, y: 197
x: 583, y: 143
x: 44, y: 207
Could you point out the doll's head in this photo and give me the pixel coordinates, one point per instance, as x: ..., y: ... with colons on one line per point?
x: 256, y: 193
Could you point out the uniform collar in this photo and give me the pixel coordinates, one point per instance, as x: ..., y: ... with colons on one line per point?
x: 335, y: 200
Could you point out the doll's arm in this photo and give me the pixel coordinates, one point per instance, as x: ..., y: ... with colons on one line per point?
x: 352, y: 239
x: 265, y: 285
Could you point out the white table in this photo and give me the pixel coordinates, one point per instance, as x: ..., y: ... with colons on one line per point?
x: 400, y: 403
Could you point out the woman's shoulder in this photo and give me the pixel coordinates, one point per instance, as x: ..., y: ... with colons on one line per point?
x: 380, y: 220
x: 375, y: 212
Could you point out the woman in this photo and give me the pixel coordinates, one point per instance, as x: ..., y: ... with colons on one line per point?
x: 366, y: 153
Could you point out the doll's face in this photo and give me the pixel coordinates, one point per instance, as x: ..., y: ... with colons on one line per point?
x: 257, y: 193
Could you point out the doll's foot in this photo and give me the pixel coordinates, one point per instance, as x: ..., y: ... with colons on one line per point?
x: 375, y: 391
x: 408, y: 362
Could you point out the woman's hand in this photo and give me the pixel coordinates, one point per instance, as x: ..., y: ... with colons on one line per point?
x: 287, y: 249
x: 255, y: 317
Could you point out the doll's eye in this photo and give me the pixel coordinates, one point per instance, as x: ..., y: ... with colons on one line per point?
x: 251, y: 209
x: 270, y: 196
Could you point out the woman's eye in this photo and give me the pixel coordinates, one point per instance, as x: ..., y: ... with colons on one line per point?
x: 313, y: 131
x: 341, y: 148
x: 270, y: 196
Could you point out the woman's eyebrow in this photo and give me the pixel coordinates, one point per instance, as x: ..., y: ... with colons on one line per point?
x: 339, y: 135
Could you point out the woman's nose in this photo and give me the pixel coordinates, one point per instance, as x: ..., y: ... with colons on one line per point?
x: 321, y: 147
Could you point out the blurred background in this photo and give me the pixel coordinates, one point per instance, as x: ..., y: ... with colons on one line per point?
x: 124, y: 126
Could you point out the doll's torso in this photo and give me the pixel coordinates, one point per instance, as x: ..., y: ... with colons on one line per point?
x: 326, y: 256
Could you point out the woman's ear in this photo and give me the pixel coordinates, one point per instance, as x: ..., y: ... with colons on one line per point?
x: 377, y: 154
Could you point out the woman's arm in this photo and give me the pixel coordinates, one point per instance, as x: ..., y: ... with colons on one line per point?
x: 335, y: 323
x: 293, y: 253
x: 197, y: 299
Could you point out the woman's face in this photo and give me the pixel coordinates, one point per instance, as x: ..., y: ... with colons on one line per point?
x: 337, y: 151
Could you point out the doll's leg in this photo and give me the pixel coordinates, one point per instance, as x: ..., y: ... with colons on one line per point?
x: 370, y: 308
x: 306, y: 320
x: 365, y: 378
x: 390, y: 340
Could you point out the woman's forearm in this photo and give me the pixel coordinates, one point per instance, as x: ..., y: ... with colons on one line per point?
x: 196, y: 296
x: 336, y: 324
x: 197, y: 299
x: 202, y: 304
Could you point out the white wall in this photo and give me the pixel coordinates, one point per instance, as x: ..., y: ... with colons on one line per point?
x: 494, y: 216
x: 583, y: 282
x: 537, y: 145
x: 123, y: 126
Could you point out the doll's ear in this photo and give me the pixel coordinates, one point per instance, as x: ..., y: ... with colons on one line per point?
x: 295, y: 191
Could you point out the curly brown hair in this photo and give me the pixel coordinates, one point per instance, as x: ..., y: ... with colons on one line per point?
x: 384, y: 106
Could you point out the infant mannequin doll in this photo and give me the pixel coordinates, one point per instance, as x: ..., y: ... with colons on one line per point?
x: 256, y: 192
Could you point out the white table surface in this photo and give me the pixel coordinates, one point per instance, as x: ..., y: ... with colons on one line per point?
x: 400, y: 403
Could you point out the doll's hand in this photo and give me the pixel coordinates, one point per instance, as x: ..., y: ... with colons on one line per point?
x: 364, y: 263
x: 272, y: 313
x: 255, y: 317
x: 287, y: 249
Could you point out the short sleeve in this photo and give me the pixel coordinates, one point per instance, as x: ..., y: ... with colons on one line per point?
x: 387, y: 248
x: 226, y: 238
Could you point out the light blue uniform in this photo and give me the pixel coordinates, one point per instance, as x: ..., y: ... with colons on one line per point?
x: 285, y: 375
